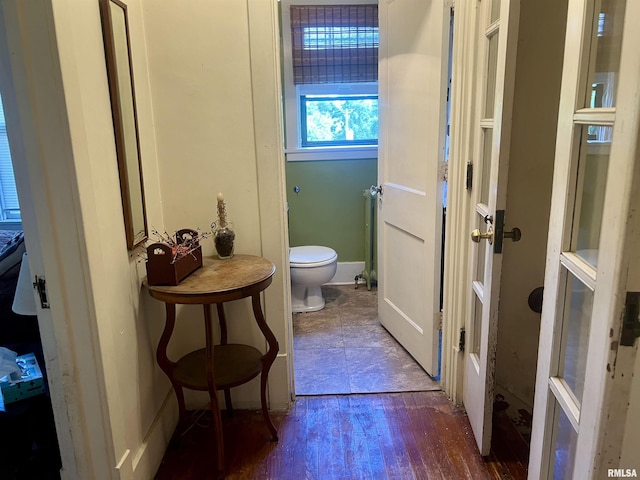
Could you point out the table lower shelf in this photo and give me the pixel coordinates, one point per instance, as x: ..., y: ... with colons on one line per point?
x: 234, y: 364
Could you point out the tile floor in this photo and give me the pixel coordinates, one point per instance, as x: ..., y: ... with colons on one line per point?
x: 343, y: 349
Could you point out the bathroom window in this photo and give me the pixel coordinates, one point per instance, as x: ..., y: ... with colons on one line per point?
x: 330, y: 75
x: 333, y: 119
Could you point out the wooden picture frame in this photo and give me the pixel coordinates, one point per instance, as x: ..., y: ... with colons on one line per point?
x: 115, y: 29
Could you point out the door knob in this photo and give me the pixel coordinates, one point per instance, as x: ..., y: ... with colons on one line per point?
x: 514, y: 234
x: 477, y: 235
x: 376, y: 190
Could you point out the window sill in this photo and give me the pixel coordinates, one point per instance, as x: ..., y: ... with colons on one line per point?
x: 330, y: 153
x: 10, y: 225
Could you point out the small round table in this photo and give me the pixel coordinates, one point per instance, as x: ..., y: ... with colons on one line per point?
x: 223, y: 366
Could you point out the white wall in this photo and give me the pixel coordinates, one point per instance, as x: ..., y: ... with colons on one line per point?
x: 208, y: 111
x: 217, y: 130
x: 208, y: 81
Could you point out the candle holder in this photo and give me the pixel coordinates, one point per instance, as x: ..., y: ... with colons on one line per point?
x: 223, y: 234
x: 223, y: 238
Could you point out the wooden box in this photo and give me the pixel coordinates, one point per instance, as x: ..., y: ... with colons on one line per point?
x: 162, y: 269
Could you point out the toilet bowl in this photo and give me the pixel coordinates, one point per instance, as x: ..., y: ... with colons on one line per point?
x: 311, y: 267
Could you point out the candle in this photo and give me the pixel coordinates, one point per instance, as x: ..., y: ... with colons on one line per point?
x: 222, y: 211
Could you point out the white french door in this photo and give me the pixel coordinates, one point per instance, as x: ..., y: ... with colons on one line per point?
x: 497, y: 31
x: 414, y: 37
x: 583, y: 363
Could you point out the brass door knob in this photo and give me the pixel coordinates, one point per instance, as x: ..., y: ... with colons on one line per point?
x: 477, y: 235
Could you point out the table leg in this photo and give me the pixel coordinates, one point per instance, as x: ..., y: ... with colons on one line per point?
x: 211, y: 388
x: 222, y: 320
x: 167, y: 365
x: 267, y: 361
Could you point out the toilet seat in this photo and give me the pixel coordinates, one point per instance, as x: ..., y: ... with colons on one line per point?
x: 310, y: 256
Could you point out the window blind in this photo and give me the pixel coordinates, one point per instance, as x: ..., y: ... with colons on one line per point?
x: 334, y: 43
x: 9, y: 207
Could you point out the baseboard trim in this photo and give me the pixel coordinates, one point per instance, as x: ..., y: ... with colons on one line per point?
x: 346, y: 273
x: 149, y: 454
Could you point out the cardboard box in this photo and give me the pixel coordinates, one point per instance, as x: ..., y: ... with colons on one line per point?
x: 31, y: 383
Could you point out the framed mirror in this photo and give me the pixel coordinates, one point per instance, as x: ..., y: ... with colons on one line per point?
x: 115, y: 29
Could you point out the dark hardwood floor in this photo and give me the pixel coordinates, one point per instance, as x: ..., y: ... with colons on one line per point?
x: 416, y: 435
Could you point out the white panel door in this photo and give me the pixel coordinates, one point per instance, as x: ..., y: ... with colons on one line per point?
x: 497, y: 40
x: 412, y: 102
x: 586, y: 357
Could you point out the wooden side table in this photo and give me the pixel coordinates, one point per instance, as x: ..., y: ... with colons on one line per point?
x: 223, y: 366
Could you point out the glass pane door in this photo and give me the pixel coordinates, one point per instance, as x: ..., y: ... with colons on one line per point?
x: 495, y: 45
x: 483, y: 249
x: 587, y: 120
x: 579, y: 262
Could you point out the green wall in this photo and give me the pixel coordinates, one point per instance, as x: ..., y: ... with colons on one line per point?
x: 329, y: 209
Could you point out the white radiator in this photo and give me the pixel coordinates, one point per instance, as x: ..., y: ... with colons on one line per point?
x: 370, y: 208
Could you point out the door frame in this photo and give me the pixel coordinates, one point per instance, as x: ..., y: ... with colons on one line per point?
x: 457, y: 259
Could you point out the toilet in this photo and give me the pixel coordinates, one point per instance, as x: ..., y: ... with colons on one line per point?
x: 311, y: 267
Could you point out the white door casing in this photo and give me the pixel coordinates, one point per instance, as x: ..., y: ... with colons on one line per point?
x: 584, y: 370
x: 495, y: 60
x: 412, y: 110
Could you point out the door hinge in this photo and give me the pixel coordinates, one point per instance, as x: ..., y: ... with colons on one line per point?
x: 631, y: 320
x: 40, y: 285
x: 461, y: 341
x: 443, y: 171
x: 469, y: 175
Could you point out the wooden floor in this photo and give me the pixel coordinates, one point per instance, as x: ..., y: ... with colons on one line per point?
x: 418, y: 435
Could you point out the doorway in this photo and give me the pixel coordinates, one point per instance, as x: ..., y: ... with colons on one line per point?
x: 29, y: 447
x: 528, y: 204
x: 325, y: 194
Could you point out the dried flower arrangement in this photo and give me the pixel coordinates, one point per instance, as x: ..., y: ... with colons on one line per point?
x: 182, y: 243
x: 170, y: 259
